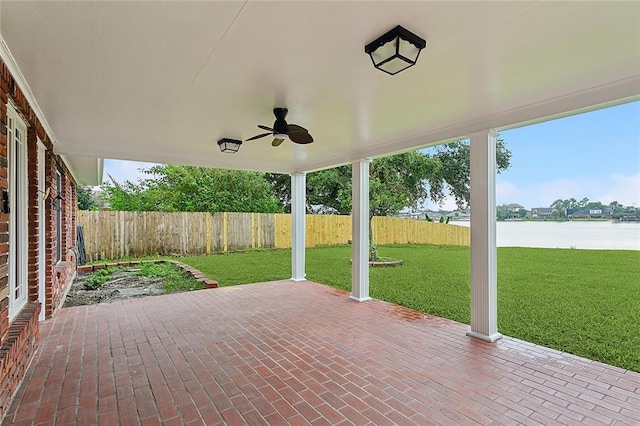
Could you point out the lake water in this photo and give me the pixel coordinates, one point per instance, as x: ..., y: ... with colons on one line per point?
x: 580, y: 235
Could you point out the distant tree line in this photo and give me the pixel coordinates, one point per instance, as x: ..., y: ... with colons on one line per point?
x: 561, y: 209
x: 566, y: 208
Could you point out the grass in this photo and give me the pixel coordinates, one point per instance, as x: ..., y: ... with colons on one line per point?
x: 585, y: 302
x: 243, y: 267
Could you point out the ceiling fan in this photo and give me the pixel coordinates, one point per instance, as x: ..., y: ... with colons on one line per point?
x: 281, y: 130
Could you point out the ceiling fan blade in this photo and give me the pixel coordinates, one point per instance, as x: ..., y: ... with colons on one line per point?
x: 301, y: 138
x: 265, y: 127
x: 259, y: 136
x: 299, y: 134
x: 277, y: 142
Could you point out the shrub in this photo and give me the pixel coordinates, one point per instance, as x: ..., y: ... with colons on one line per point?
x: 98, y: 278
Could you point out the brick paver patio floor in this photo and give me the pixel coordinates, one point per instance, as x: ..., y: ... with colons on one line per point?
x: 301, y: 353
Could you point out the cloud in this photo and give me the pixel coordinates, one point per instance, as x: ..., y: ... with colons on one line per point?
x: 125, y: 170
x: 543, y: 194
x: 624, y: 189
x: 506, y: 190
x: 617, y: 187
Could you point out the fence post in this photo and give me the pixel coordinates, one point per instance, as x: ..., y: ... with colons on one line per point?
x: 259, y: 230
x: 253, y: 230
x: 208, y: 219
x: 225, y: 231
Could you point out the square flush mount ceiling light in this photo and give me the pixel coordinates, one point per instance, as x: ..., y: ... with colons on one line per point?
x: 396, y: 50
x: 230, y: 146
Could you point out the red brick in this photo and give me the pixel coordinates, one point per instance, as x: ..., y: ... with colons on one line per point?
x: 210, y: 284
x: 85, y: 268
x: 242, y: 369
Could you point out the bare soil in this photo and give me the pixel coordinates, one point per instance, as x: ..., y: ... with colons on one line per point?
x: 124, y: 284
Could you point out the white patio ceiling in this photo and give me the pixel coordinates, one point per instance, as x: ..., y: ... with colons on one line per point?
x: 163, y: 81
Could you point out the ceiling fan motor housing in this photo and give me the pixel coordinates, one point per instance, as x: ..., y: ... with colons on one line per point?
x: 280, y: 125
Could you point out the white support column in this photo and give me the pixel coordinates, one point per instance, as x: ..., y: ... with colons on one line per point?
x: 298, y: 212
x: 484, y: 270
x: 360, y: 231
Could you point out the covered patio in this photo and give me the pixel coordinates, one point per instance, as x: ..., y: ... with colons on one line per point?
x: 166, y: 81
x: 301, y: 353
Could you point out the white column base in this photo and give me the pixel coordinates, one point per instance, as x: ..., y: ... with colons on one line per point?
x: 359, y: 299
x: 298, y: 280
x: 487, y: 338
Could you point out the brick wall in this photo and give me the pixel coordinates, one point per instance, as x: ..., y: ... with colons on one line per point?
x: 18, y: 339
x: 4, y: 217
x: 16, y: 352
x: 33, y: 215
x: 49, y: 223
x: 59, y: 274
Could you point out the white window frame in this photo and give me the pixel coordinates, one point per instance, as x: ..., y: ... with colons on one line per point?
x: 18, y: 227
x: 58, y: 209
x: 41, y: 230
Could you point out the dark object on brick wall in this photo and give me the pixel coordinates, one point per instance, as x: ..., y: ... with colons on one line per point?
x: 4, y: 205
x: 82, y: 254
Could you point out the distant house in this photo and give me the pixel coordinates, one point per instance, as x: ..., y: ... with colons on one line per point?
x: 459, y: 215
x: 421, y: 215
x: 541, y: 212
x: 408, y: 214
x: 515, y: 207
x: 515, y: 210
x: 591, y: 214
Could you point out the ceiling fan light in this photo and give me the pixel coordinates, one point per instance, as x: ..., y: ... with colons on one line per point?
x: 396, y: 50
x: 281, y: 136
x: 229, y: 146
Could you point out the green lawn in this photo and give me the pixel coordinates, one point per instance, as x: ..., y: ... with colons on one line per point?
x: 586, y: 302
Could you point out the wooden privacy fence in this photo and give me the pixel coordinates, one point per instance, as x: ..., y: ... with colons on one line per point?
x: 115, y: 234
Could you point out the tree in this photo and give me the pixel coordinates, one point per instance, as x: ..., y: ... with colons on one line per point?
x: 194, y: 189
x: 617, y: 209
x: 583, y: 203
x: 325, y: 189
x: 85, y: 198
x: 558, y: 208
x: 453, y: 175
x: 572, y: 205
x: 395, y: 182
x: 596, y: 205
x: 503, y: 212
